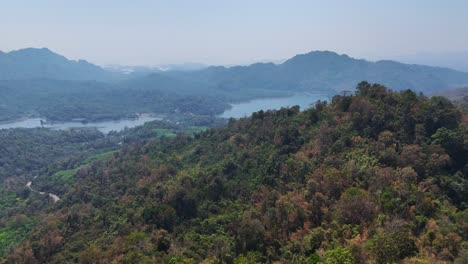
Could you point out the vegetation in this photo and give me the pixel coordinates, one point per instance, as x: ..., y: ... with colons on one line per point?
x: 50, y: 159
x: 378, y: 176
x: 40, y: 83
x: 26, y: 151
x: 32, y: 63
x: 57, y: 100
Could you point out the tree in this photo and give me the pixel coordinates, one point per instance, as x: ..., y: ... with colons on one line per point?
x: 355, y: 207
x: 394, y: 242
x: 339, y: 255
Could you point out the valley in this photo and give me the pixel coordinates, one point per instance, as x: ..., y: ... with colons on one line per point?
x: 266, y: 163
x: 361, y: 177
x: 208, y: 91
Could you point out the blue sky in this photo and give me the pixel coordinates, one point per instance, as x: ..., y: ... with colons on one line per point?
x: 231, y: 32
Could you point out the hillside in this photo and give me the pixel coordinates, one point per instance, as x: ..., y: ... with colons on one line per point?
x: 378, y: 176
x: 326, y: 71
x: 62, y: 100
x: 40, y: 83
x: 42, y: 63
x: 459, y: 95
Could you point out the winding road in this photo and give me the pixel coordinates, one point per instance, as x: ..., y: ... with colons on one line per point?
x: 54, y: 197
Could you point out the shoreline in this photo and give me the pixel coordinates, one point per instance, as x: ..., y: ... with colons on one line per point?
x: 103, y: 126
x: 232, y: 112
x: 82, y: 120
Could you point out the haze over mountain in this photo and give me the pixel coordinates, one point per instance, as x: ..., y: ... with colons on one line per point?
x: 78, y: 89
x: 376, y: 177
x: 453, y: 60
x: 457, y: 95
x: 317, y: 70
x: 329, y: 71
x: 234, y: 132
x: 32, y: 63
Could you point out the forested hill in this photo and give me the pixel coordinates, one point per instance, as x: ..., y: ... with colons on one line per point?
x: 327, y: 71
x: 377, y: 177
x: 32, y: 63
x: 61, y: 100
x: 40, y: 83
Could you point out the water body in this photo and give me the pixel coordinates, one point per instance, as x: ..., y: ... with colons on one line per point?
x: 304, y: 100
x: 103, y: 126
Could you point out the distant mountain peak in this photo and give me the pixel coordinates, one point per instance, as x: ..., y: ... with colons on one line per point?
x: 31, y: 63
x: 324, y: 53
x: 36, y: 54
x: 33, y: 51
x: 318, y: 57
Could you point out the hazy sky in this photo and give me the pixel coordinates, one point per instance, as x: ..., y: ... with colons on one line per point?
x: 232, y: 32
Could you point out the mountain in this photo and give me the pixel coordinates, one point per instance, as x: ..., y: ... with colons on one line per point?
x: 452, y: 60
x: 339, y: 71
x: 455, y: 94
x: 323, y: 71
x: 377, y: 177
x: 77, y: 89
x: 32, y: 63
x: 327, y: 71
x: 65, y: 100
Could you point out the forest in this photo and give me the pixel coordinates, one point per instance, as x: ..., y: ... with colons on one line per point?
x: 378, y: 176
x: 60, y: 100
x: 50, y: 158
x: 40, y: 83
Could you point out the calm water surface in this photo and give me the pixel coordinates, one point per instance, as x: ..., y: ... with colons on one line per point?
x: 237, y: 111
x: 246, y: 109
x: 103, y: 126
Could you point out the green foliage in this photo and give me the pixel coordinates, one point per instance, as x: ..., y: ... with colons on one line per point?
x: 94, y: 101
x: 163, y: 216
x: 393, y: 243
x: 373, y: 177
x: 249, y: 258
x: 8, y: 199
x: 362, y: 160
x: 13, y: 234
x: 26, y: 151
x: 164, y: 133
x: 99, y: 156
x: 339, y: 255
x: 65, y: 177
x: 313, y: 259
x: 455, y: 142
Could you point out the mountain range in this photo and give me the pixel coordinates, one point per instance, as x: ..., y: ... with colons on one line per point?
x: 32, y: 63
x: 328, y: 71
x: 376, y: 177
x: 317, y: 70
x: 60, y: 89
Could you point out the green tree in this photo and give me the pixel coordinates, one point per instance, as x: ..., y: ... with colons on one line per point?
x: 339, y: 255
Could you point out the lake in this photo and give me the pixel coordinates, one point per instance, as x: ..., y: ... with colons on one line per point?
x: 103, y: 126
x: 304, y: 100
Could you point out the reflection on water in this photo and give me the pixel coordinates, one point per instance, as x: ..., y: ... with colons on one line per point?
x: 246, y: 109
x: 103, y: 126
